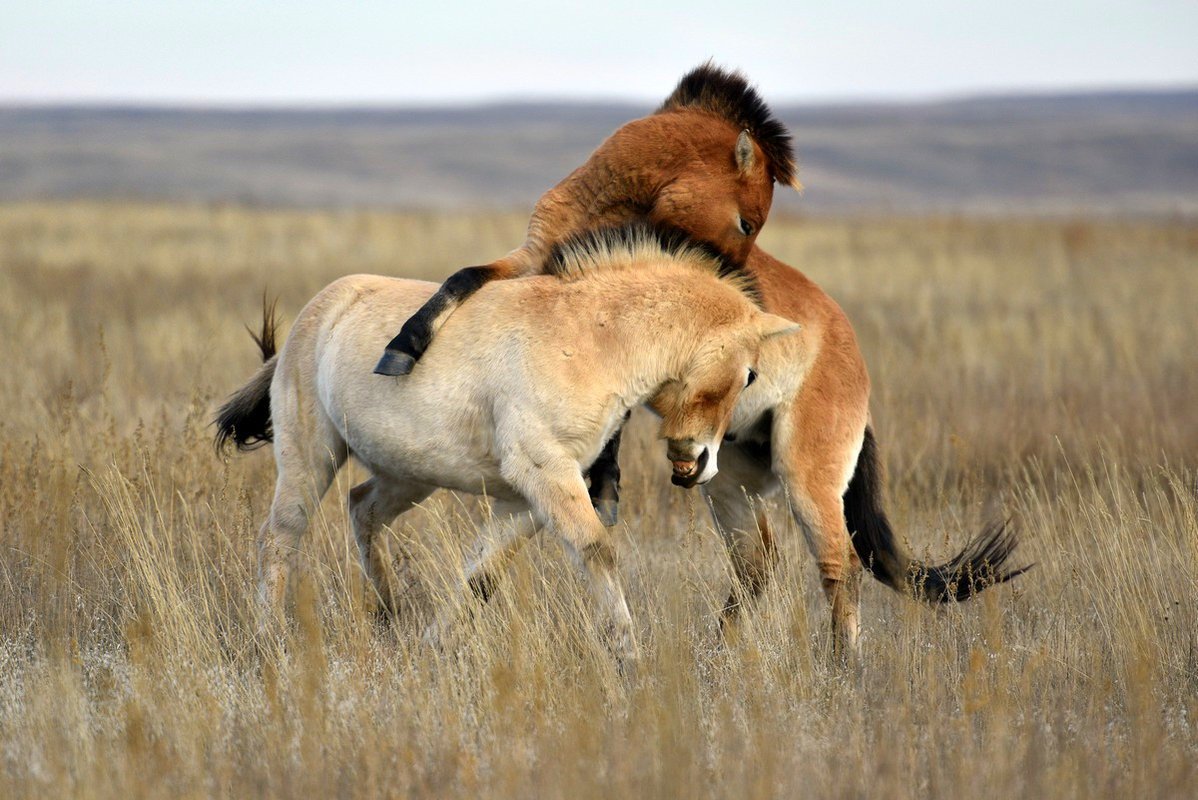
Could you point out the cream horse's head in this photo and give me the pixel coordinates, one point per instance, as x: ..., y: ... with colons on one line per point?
x: 696, y: 407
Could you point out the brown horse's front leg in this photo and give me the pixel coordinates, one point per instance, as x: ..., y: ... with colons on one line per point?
x: 413, y: 339
x: 604, y: 475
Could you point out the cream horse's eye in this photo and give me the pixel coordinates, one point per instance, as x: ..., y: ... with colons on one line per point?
x: 752, y: 377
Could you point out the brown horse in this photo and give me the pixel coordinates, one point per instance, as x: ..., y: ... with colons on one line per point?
x: 705, y: 163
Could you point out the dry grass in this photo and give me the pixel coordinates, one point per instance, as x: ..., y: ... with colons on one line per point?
x: 1042, y: 370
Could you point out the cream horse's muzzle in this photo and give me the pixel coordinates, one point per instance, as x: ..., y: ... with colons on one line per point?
x: 692, y: 471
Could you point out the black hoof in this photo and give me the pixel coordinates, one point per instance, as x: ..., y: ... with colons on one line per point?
x: 394, y: 364
x: 608, y: 511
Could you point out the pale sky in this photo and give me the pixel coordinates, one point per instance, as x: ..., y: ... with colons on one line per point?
x: 301, y: 52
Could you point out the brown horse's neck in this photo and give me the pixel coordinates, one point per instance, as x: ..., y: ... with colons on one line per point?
x: 618, y: 183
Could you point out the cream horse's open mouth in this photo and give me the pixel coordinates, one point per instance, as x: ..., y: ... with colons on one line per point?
x: 691, y: 473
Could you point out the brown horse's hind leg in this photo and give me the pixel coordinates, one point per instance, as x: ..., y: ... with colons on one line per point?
x: 373, y: 504
x: 735, y: 498
x: 414, y: 337
x: 819, y: 511
x: 817, y: 462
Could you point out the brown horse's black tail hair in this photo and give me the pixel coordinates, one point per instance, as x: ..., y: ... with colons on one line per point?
x: 244, y: 419
x: 980, y: 565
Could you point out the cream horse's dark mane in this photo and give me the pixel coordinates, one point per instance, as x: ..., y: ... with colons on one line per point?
x: 635, y: 244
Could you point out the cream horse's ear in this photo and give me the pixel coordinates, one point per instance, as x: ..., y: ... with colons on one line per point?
x: 744, y: 153
x: 772, y: 325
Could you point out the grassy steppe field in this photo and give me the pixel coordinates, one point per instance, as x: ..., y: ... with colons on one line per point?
x: 1041, y: 370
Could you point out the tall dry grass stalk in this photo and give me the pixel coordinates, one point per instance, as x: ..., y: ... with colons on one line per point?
x: 1043, y: 370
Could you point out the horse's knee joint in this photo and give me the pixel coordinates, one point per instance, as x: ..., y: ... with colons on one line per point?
x: 833, y: 570
x: 288, y: 519
x: 843, y: 589
x: 599, y: 553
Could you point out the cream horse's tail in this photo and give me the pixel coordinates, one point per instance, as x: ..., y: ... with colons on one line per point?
x: 245, y: 416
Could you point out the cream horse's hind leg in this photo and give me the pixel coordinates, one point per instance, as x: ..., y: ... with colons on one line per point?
x: 509, y: 525
x: 306, y: 465
x: 372, y: 504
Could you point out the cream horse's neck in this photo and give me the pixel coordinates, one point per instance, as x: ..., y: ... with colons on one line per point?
x: 646, y: 325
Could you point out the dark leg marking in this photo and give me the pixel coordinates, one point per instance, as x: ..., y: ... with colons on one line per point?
x: 605, y: 479
x: 484, y: 585
x: 413, y: 339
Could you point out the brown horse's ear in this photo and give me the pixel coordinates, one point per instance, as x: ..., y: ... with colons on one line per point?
x: 771, y: 325
x: 744, y: 153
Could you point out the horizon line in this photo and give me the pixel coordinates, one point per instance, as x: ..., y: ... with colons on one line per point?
x: 517, y: 100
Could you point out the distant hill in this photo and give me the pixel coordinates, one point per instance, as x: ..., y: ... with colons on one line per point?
x: 1126, y: 152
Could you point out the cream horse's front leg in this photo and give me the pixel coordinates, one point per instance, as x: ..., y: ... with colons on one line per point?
x: 555, y: 489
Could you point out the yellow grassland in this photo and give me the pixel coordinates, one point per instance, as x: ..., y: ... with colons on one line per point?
x: 1042, y: 370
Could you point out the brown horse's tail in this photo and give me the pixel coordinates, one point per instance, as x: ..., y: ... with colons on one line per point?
x: 244, y: 419
x: 980, y: 565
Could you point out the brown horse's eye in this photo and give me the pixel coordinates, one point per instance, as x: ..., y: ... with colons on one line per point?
x: 752, y: 377
x: 746, y: 227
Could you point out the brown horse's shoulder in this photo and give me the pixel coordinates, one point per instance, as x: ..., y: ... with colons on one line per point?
x: 788, y: 292
x: 827, y: 329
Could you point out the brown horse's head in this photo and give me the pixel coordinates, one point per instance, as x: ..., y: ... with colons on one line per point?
x: 696, y: 407
x: 731, y: 150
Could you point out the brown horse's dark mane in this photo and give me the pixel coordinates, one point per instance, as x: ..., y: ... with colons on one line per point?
x: 729, y: 96
x: 621, y: 246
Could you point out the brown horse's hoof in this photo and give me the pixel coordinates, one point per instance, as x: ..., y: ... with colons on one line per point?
x: 395, y: 364
x: 608, y: 511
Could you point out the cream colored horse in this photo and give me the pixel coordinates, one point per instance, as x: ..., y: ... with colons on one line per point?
x: 515, y: 399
